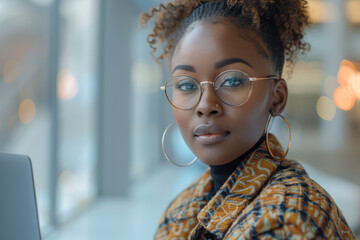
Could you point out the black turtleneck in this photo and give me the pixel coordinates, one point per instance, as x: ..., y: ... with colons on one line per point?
x: 220, y: 173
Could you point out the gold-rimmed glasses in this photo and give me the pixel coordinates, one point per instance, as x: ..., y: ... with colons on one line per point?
x: 232, y: 87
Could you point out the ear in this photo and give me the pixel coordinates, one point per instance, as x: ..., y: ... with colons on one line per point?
x: 279, y: 98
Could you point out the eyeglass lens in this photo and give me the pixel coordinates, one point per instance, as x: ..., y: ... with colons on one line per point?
x: 231, y: 87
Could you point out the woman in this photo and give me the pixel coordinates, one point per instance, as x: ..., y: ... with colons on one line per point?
x: 226, y: 60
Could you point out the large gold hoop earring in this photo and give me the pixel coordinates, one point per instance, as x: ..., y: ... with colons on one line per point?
x: 267, y: 137
x: 164, y: 151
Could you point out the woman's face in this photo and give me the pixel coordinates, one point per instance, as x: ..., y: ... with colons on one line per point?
x: 218, y: 133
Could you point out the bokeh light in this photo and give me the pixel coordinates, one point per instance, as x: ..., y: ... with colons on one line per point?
x: 344, y: 98
x: 67, y: 85
x: 355, y: 84
x: 27, y: 111
x: 11, y: 71
x: 352, y: 8
x: 346, y: 72
x: 322, y: 11
x: 326, y: 108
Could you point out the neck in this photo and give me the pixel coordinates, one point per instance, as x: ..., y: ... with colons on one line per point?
x: 220, y: 173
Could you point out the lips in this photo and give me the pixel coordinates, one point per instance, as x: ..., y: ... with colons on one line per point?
x: 210, y: 134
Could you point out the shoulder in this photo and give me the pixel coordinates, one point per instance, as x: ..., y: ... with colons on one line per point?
x: 291, y: 203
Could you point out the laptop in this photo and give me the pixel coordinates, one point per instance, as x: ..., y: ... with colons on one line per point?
x: 18, y: 210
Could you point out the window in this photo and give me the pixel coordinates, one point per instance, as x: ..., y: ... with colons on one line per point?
x: 27, y: 112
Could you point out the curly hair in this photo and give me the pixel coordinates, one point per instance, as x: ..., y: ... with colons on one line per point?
x: 279, y: 23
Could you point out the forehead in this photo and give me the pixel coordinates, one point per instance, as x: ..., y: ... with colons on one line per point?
x: 206, y: 43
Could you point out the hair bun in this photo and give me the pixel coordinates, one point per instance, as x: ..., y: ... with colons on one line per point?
x: 287, y: 18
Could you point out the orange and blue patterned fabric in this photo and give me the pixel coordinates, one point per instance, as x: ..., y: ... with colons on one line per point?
x: 262, y: 199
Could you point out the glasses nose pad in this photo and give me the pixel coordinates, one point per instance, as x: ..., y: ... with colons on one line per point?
x: 211, y: 87
x: 209, y: 102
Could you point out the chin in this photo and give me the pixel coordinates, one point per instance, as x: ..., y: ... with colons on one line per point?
x: 214, y: 159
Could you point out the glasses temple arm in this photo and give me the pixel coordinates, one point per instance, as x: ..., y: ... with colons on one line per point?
x: 267, y: 78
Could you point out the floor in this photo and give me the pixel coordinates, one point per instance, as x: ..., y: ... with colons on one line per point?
x: 136, y: 217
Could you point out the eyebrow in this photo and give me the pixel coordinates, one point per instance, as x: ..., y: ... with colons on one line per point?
x: 188, y: 68
x: 218, y: 65
x: 229, y: 61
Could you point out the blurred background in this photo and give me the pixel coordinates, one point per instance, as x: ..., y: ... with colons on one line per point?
x: 79, y: 94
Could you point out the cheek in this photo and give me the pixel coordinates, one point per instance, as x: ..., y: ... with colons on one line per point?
x: 248, y: 126
x: 182, y: 119
x: 252, y: 117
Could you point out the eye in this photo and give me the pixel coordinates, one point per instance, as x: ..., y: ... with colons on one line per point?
x: 186, y: 85
x: 233, y: 82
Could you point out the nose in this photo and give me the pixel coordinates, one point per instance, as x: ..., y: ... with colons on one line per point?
x: 210, y: 104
